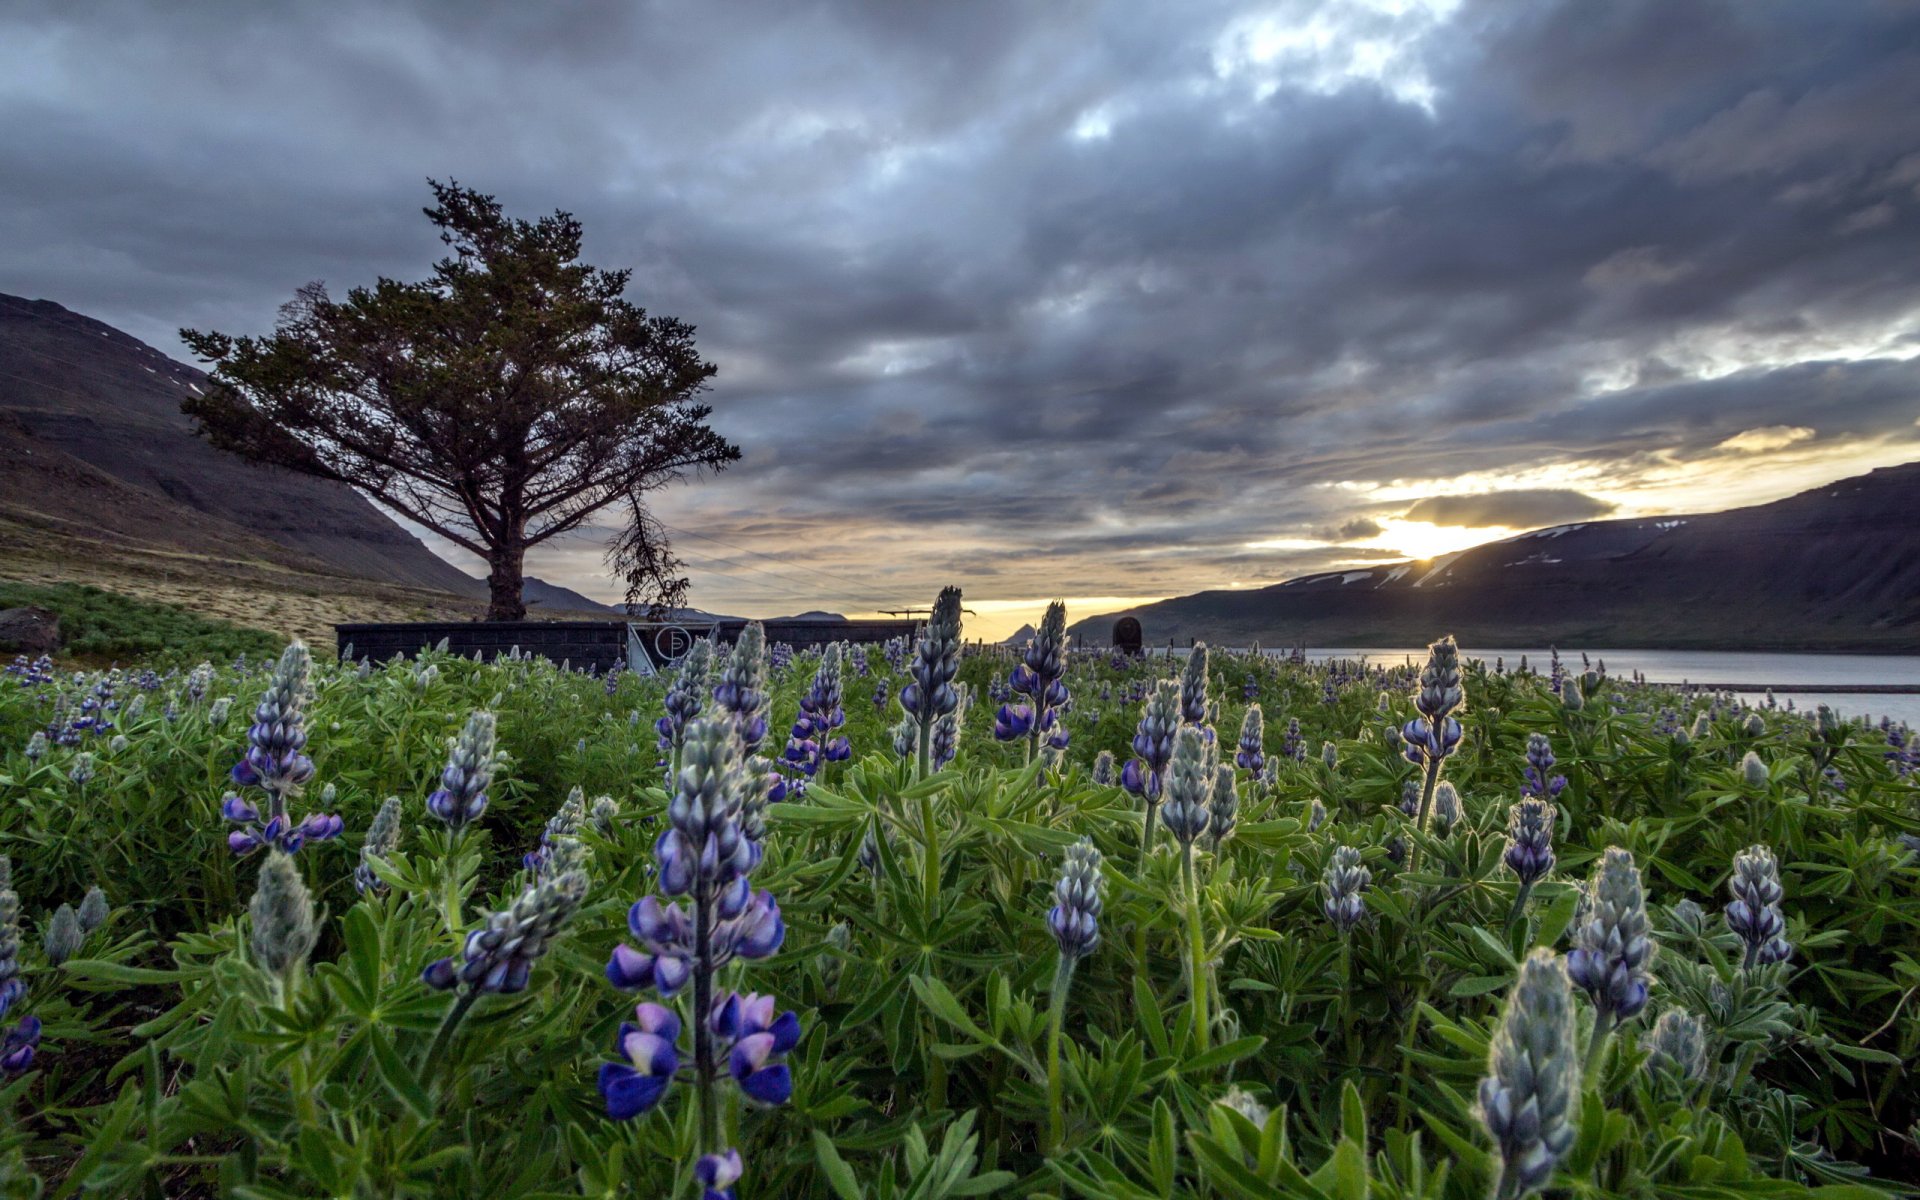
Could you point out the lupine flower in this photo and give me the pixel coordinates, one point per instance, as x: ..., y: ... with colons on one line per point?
x: 1075, y: 916
x: 1103, y: 768
x: 717, y: 1174
x: 1677, y: 1046
x: 559, y: 850
x: 462, y: 796
x: 1193, y: 686
x: 282, y: 909
x: 1537, y: 780
x: 648, y: 1046
x: 813, y: 742
x: 604, y: 815
x: 880, y: 694
x: 63, y: 936
x: 1330, y: 756
x: 499, y: 955
x: 274, y: 761
x: 1293, y: 745
x: 1344, y: 880
x: 754, y: 1041
x: 12, y: 987
x: 740, y: 692
x: 1316, y: 814
x: 1533, y: 1077
x: 1189, y: 786
x: 82, y: 770
x: 936, y: 659
x: 36, y: 746
x: 17, y: 1047
x: 1153, y: 742
x: 1251, y: 755
x: 1611, y: 942
x: 688, y: 696
x: 1446, y: 807
x: 93, y: 910
x: 1223, y: 809
x: 906, y: 736
x: 1250, y: 690
x: 1754, y: 912
x: 1753, y: 770
x: 1530, y: 840
x: 946, y: 728
x: 383, y: 836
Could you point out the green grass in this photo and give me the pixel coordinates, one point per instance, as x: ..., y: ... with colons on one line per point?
x: 100, y: 625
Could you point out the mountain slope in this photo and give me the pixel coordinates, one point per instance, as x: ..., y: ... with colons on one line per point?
x: 1835, y: 568
x: 96, y: 438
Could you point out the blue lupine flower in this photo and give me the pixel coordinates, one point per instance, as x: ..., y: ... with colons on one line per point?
x: 1153, y: 742
x: 717, y: 1174
x: 17, y: 1047
x: 1103, y: 769
x: 755, y: 1041
x: 1012, y: 722
x: 1074, y: 918
x: 274, y: 761
x: 687, y: 697
x: 812, y: 742
x: 1530, y: 840
x: 462, y: 795
x: 1677, y: 1046
x: 1189, y: 786
x: 741, y: 690
x: 1754, y: 913
x: 1612, y: 944
x: 1193, y: 686
x: 936, y: 660
x: 647, y: 1046
x: 1537, y: 781
x: 1223, y: 808
x: 1345, y: 879
x: 1294, y: 746
x: 1251, y: 756
x: 499, y: 955
x: 1040, y: 676
x: 383, y: 836
x: 946, y: 728
x: 1533, y: 1077
x: 12, y: 987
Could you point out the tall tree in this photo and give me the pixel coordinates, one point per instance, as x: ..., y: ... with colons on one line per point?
x: 500, y: 403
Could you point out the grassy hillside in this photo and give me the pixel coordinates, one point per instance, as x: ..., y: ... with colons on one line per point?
x: 98, y: 624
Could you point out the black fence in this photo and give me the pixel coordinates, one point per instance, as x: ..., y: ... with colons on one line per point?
x: 599, y: 645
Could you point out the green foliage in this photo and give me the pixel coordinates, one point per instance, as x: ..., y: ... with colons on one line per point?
x: 103, y: 625
x: 1320, y: 1067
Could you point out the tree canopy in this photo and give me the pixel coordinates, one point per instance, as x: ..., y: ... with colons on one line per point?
x: 501, y: 402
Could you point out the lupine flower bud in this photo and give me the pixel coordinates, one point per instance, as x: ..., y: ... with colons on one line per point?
x: 383, y: 836
x: 1440, y: 691
x: 688, y: 697
x: 906, y: 738
x: 1189, y: 786
x: 946, y: 728
x: 63, y: 936
x: 274, y: 761
x: 936, y: 659
x: 1344, y: 880
x: 1446, y: 807
x: 1677, y: 1046
x: 1533, y: 1077
x: 1223, y: 809
x: 1756, y: 725
x: 840, y: 939
x: 1754, y: 913
x: 604, y: 815
x: 1251, y: 755
x: 1075, y: 916
x: 36, y: 746
x: 93, y: 910
x: 1612, y: 942
x: 12, y: 987
x: 1539, y: 780
x: 1753, y: 771
x: 1193, y: 686
x: 741, y: 691
x: 499, y: 955
x: 1571, y: 698
x: 462, y: 796
x: 1316, y: 814
x: 1153, y: 742
x: 282, y: 909
x: 218, y: 710
x: 1530, y: 840
x: 1103, y: 769
x: 1330, y: 756
x: 82, y: 770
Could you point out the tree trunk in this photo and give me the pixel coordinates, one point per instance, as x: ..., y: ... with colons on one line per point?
x: 505, y: 578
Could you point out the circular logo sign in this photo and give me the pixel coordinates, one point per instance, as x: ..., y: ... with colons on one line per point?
x: 671, y: 643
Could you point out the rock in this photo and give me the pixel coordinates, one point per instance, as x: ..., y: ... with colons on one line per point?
x: 29, y: 630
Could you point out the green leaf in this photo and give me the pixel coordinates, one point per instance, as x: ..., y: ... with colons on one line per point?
x: 397, y: 1076
x: 839, y: 1174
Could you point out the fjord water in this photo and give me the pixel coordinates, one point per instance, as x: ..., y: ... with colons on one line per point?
x: 1781, y: 671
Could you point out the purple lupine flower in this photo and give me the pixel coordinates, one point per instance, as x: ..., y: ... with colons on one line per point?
x: 754, y: 1041
x: 1294, y: 746
x: 1530, y: 840
x: 1532, y: 1085
x: 1345, y: 879
x: 1250, y: 690
x: 688, y: 695
x: 936, y: 660
x: 812, y: 742
x: 1189, y: 786
x: 1537, y: 781
x: 17, y: 1047
x: 1193, y: 687
x: 383, y: 836
x: 1612, y: 944
x: 462, y: 795
x: 1754, y: 912
x: 275, y: 764
x: 12, y: 987
x: 499, y: 955
x: 1251, y: 756
x: 946, y: 729
x: 717, y: 1174
x: 1074, y: 919
x: 1041, y: 677
x: 648, y: 1046
x: 1012, y: 722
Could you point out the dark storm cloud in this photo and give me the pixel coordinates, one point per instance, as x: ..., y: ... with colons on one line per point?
x: 1525, y: 508
x: 1127, y: 298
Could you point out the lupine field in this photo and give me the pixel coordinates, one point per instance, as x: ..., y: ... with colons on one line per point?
x: 927, y: 920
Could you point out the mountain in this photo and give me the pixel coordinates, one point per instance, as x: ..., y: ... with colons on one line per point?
x: 1020, y: 636
x: 1835, y: 568
x: 99, y: 454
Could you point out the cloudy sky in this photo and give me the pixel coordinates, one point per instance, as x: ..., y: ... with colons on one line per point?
x: 1100, y: 301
